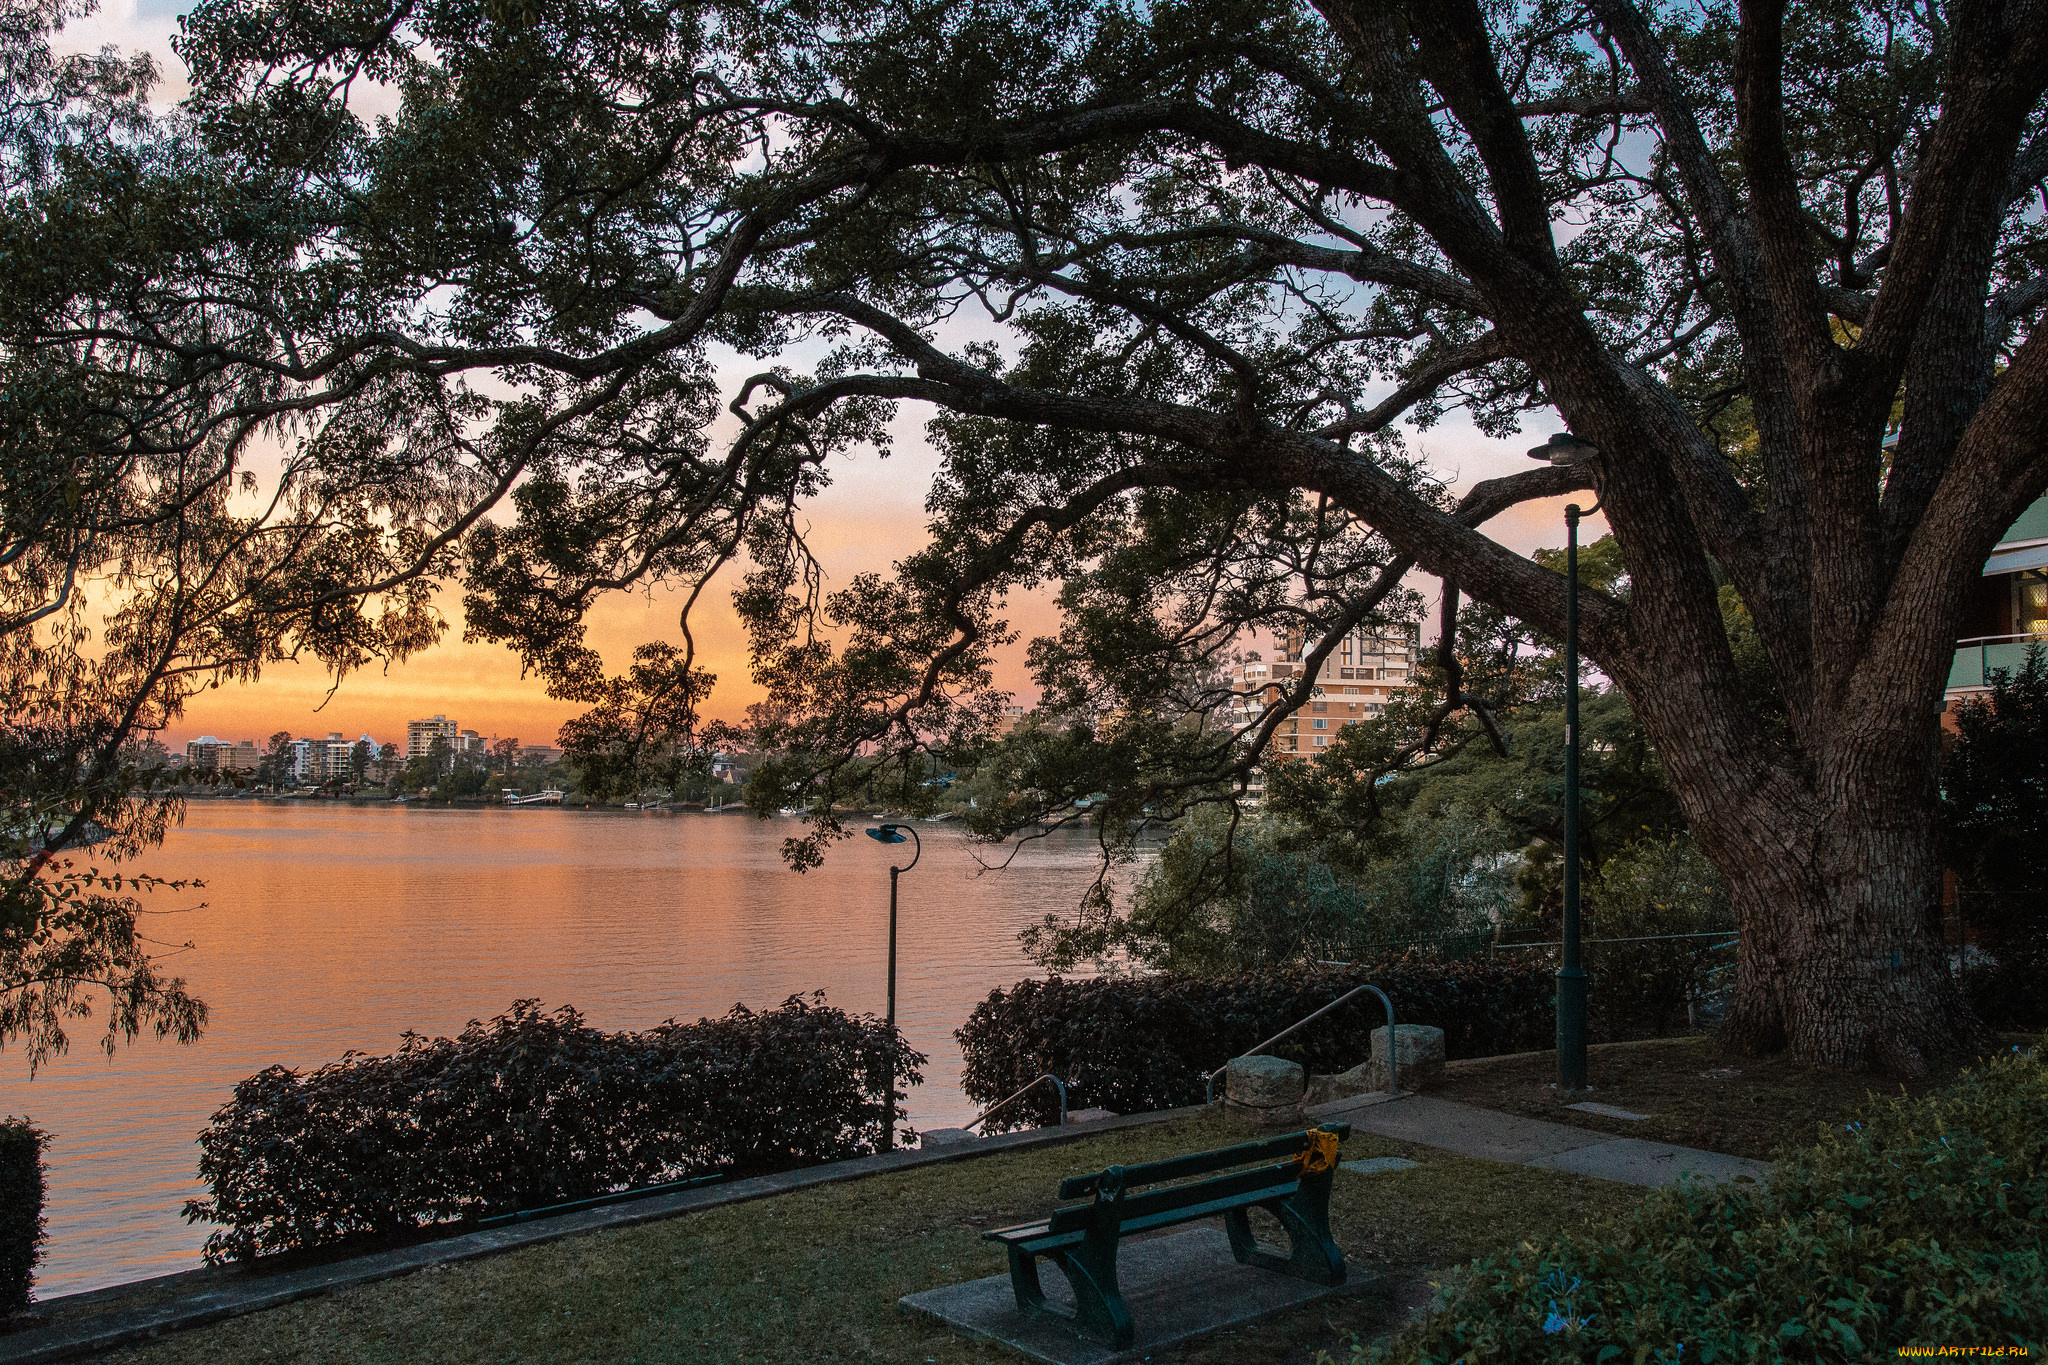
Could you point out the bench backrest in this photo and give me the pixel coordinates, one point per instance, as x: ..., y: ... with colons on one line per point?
x: 1278, y: 1178
x: 1199, y: 1163
x: 1119, y: 1193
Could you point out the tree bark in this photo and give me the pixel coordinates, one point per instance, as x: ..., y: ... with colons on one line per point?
x: 1831, y: 861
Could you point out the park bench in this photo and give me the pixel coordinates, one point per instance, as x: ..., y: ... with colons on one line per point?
x: 1288, y: 1176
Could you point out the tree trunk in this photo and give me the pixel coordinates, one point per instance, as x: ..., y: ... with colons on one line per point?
x: 1836, y: 963
x: 1835, y: 882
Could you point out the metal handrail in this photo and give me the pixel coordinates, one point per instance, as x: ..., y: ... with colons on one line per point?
x: 1048, y: 1076
x: 1393, y: 1059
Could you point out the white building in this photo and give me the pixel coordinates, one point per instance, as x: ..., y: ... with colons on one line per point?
x: 2009, y: 610
x: 421, y: 734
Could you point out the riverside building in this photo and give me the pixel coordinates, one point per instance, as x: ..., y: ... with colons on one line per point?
x: 209, y: 755
x: 1353, y: 683
x: 421, y: 734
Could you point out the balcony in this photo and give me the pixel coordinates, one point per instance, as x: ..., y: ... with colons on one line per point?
x: 1977, y: 659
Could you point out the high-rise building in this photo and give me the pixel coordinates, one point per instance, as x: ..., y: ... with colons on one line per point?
x: 421, y: 734
x: 207, y: 755
x: 1354, y: 683
x: 204, y: 753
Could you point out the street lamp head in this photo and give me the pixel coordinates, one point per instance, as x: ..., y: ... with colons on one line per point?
x: 888, y: 834
x: 1566, y: 449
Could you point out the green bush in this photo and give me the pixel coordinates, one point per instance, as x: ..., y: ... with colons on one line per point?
x: 533, y: 1109
x: 21, y: 1210
x: 1923, y: 1225
x: 1138, y: 1043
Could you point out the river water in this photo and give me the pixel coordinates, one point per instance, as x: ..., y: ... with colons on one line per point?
x: 326, y: 927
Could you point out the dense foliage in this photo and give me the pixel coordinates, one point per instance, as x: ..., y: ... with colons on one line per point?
x: 1137, y: 1043
x: 530, y: 1109
x: 1361, y: 850
x: 21, y: 1210
x: 1994, y: 807
x: 1922, y: 1225
x: 568, y: 299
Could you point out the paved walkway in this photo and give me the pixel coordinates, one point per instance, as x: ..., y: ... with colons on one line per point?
x: 1472, y: 1131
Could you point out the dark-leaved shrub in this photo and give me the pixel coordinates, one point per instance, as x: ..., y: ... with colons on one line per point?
x: 21, y: 1210
x: 1924, y: 1225
x: 1138, y: 1043
x: 532, y: 1109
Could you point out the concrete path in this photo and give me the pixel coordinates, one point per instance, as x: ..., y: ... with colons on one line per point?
x: 1494, y: 1136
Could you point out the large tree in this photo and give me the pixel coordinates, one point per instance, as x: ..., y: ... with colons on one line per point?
x: 173, y: 514
x: 1171, y: 280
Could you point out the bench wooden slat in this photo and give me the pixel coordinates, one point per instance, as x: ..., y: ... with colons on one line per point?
x: 1035, y: 1236
x: 1018, y: 1233
x: 1242, y: 1183
x: 1164, y: 1198
x: 1199, y: 1163
x: 1207, y: 1208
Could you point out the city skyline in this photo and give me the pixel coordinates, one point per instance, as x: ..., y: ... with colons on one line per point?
x: 857, y: 532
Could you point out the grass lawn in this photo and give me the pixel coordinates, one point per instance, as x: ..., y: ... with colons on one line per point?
x: 1695, y: 1095
x: 814, y: 1276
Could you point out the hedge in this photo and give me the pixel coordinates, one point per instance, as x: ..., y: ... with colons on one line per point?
x: 21, y: 1210
x: 1923, y: 1225
x: 1137, y: 1043
x: 533, y: 1109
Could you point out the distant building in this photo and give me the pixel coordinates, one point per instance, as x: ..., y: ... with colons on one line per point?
x: 2010, y: 608
x: 209, y: 755
x: 538, y: 755
x: 205, y: 753
x: 470, y: 744
x: 421, y: 734
x: 1354, y: 683
x: 386, y: 763
x: 1007, y: 723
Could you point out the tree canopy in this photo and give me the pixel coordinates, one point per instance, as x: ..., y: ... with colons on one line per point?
x: 1170, y: 283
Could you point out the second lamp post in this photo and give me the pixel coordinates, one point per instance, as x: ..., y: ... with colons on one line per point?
x: 893, y: 834
x: 1567, y: 449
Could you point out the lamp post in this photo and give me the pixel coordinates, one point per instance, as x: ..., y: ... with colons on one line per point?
x: 893, y: 834
x: 1567, y: 449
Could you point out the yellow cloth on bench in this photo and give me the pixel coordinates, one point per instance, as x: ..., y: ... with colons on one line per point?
x: 1322, y: 1152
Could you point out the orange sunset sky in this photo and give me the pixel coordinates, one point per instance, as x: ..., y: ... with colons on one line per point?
x: 872, y: 515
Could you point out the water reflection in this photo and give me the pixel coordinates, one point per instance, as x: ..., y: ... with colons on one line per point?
x: 326, y: 928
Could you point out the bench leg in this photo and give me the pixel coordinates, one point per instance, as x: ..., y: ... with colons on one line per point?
x: 1024, y: 1281
x: 1305, y: 1216
x: 1099, y: 1308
